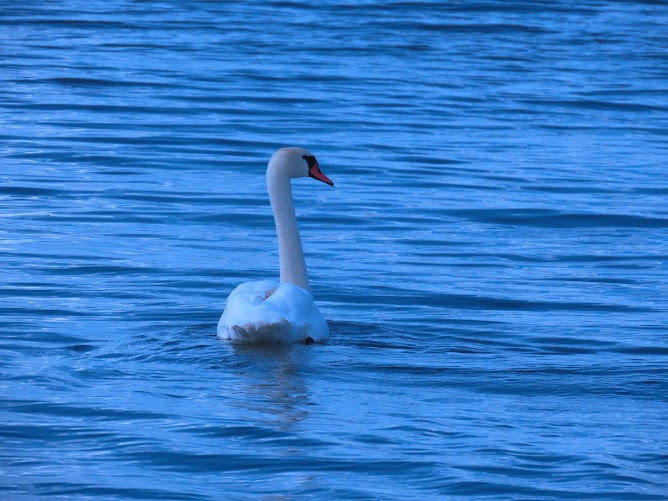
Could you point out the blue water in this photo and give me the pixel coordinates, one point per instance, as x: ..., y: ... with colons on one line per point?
x: 492, y: 260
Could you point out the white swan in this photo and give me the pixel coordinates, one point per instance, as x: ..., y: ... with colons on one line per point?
x: 270, y: 311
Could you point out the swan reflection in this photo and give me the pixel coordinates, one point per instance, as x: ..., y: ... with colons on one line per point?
x: 271, y: 383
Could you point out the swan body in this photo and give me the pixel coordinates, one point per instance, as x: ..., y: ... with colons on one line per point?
x: 271, y: 312
x: 279, y: 312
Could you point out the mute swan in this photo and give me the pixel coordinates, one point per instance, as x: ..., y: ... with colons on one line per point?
x: 270, y: 311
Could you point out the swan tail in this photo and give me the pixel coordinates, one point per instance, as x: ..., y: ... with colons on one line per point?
x: 257, y: 332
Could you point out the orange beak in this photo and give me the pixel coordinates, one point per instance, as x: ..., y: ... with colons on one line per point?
x: 315, y: 172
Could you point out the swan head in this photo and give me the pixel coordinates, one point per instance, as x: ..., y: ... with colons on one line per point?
x: 297, y: 162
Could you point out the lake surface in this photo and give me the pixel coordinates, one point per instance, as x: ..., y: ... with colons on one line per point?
x: 492, y: 259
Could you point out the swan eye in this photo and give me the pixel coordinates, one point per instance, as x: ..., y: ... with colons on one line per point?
x: 310, y: 160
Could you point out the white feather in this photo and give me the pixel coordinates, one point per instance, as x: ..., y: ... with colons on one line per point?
x: 268, y: 311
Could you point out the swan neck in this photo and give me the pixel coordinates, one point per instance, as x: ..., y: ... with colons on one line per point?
x: 290, y: 251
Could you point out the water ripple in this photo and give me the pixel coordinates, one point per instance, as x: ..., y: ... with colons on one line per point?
x: 491, y: 262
